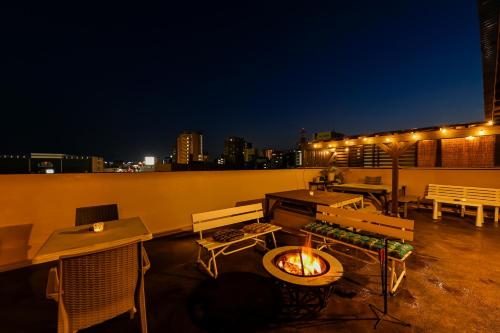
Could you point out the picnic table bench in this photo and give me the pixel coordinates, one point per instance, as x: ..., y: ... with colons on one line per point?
x: 464, y: 196
x: 364, y: 232
x: 225, y: 217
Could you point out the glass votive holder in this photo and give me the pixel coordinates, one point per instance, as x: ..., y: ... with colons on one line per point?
x: 311, y: 192
x: 98, y: 226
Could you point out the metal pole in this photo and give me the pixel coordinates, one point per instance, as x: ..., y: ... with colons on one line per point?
x: 385, y: 277
x: 395, y: 184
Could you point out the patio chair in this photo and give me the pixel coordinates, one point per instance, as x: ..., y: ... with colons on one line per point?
x: 93, y: 287
x: 92, y: 214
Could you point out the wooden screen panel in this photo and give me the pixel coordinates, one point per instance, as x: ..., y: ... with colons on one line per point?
x: 355, y: 156
x: 341, y: 157
x: 478, y: 152
x: 374, y: 157
x: 408, y: 158
x: 427, y: 150
x: 317, y: 158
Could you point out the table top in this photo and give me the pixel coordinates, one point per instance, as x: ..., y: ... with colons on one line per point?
x: 363, y: 187
x: 80, y: 240
x: 318, y: 197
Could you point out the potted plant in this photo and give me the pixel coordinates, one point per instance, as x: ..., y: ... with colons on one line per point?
x: 332, y: 174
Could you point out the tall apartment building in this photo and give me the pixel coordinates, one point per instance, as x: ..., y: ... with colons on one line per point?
x: 189, y: 147
x: 234, y: 149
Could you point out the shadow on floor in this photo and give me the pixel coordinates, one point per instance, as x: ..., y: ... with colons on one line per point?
x: 238, y: 302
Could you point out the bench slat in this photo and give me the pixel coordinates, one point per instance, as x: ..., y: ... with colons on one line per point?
x: 210, y: 244
x: 333, y: 240
x: 380, y: 219
x: 199, y: 217
x: 369, y: 226
x: 464, y: 195
x: 220, y: 222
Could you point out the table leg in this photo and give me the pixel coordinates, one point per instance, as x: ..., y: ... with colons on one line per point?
x: 140, y: 297
x: 271, y: 209
x: 386, y: 203
x: 380, y: 205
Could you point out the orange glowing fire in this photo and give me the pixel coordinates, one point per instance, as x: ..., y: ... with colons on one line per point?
x: 302, y: 262
x: 308, y: 265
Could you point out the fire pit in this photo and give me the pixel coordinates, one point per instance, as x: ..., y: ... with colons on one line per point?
x: 301, y: 262
x: 306, y: 276
x: 302, y: 266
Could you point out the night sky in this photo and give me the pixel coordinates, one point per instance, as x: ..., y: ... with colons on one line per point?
x: 123, y: 81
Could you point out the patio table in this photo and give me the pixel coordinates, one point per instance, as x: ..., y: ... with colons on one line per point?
x: 76, y: 240
x: 378, y: 193
x: 304, y: 199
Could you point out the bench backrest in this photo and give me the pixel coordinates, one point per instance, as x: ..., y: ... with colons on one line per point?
x: 228, y: 216
x: 385, y: 225
x: 481, y: 194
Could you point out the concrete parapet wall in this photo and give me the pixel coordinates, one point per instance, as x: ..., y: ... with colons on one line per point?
x: 165, y: 201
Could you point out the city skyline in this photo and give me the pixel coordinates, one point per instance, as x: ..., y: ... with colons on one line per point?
x: 124, y: 82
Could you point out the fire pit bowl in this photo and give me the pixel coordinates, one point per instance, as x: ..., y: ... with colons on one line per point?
x: 302, y: 266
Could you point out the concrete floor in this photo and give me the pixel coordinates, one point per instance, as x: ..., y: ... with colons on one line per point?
x: 453, y: 285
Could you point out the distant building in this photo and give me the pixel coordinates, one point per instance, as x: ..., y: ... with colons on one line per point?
x: 299, y: 158
x: 50, y: 163
x: 277, y: 160
x: 234, y: 148
x: 267, y: 153
x: 328, y: 136
x: 189, y: 148
x: 249, y: 155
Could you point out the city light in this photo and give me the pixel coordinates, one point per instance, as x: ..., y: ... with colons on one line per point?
x: 149, y: 160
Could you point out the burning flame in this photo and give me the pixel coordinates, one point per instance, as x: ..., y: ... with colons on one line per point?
x: 302, y: 263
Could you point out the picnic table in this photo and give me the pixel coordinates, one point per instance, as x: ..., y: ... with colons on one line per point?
x: 377, y: 193
x: 306, y: 201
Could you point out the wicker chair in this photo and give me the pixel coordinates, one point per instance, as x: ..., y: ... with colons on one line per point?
x: 94, y: 287
x: 89, y: 215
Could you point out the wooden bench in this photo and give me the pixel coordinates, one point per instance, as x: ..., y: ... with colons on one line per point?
x: 349, y: 228
x: 224, y: 217
x: 464, y: 196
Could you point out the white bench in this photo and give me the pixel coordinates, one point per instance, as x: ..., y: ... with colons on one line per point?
x: 464, y: 196
x: 326, y: 232
x: 224, y: 217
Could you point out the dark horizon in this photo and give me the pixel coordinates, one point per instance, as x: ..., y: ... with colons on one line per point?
x: 123, y: 82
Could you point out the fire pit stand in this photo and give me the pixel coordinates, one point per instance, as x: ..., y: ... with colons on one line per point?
x: 303, y: 295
